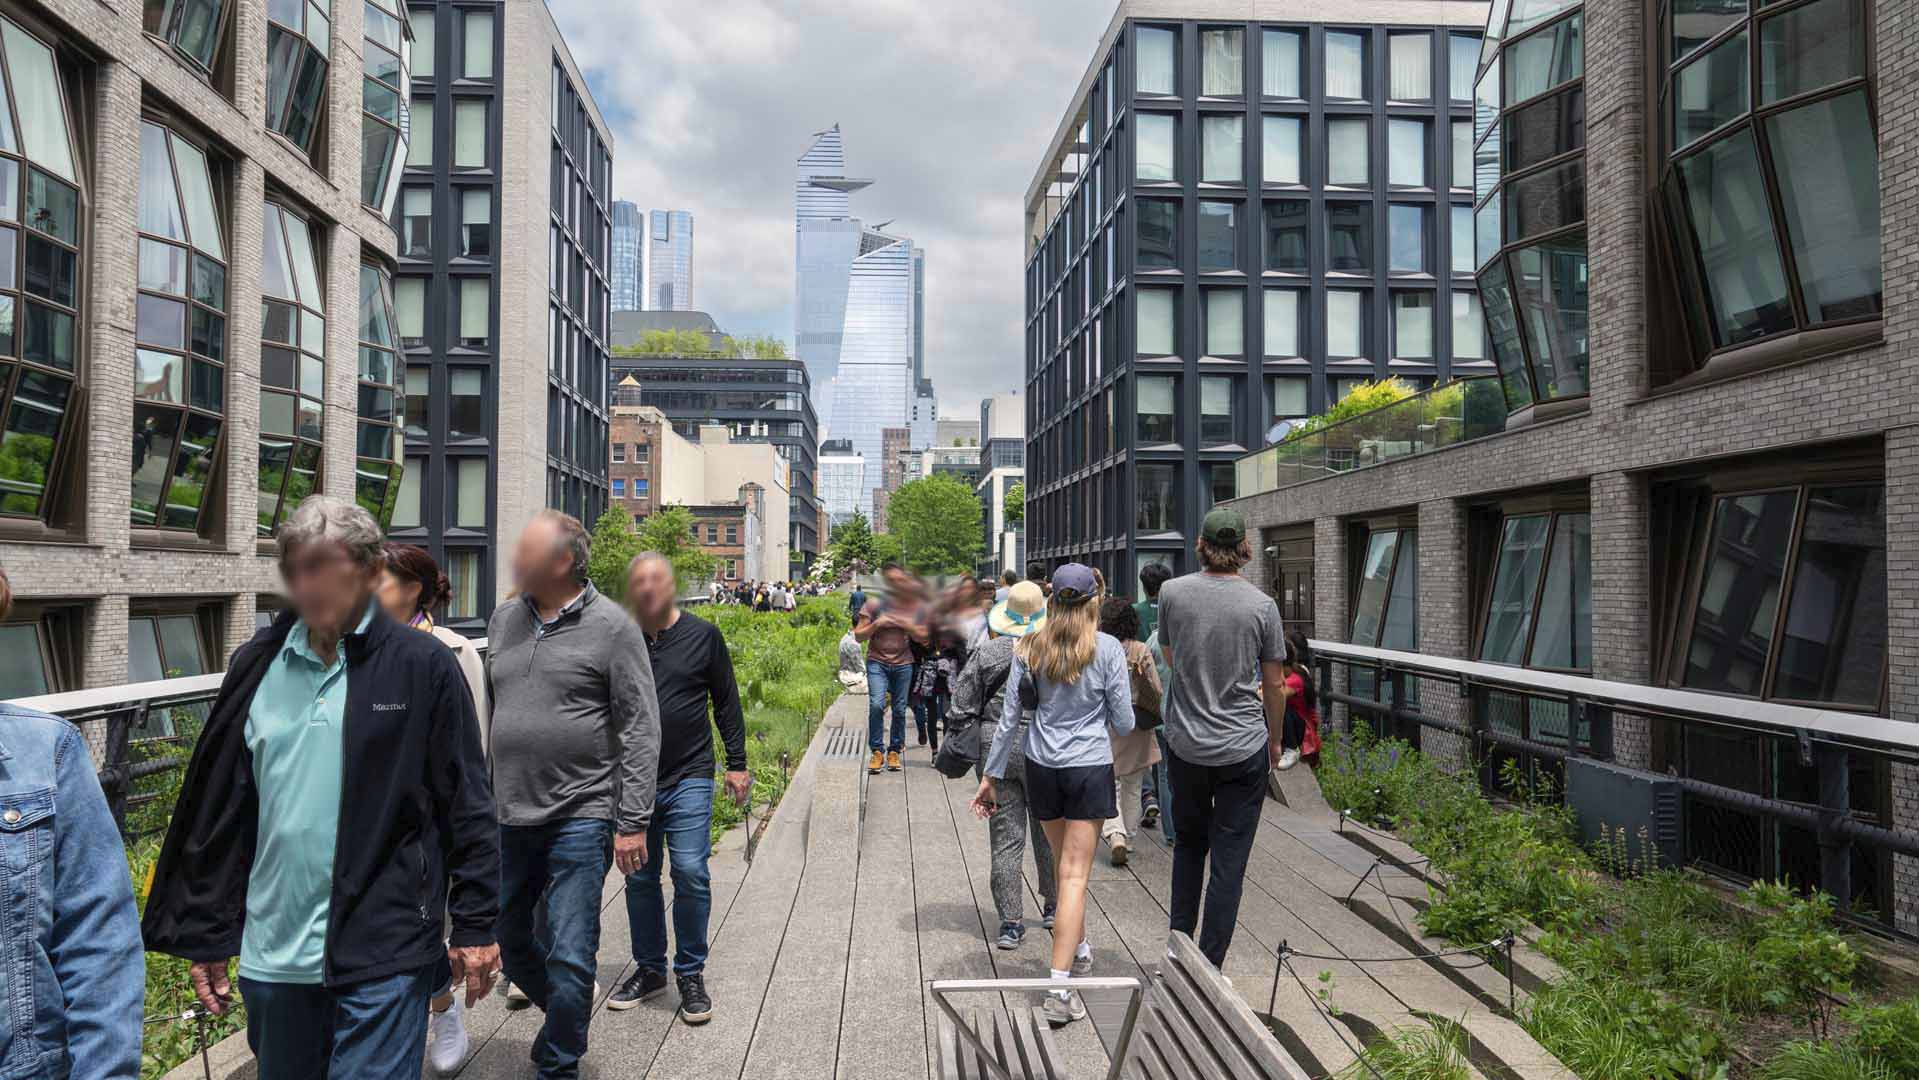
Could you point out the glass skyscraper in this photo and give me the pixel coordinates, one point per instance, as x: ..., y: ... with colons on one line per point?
x: 856, y: 309
x: 671, y: 253
x: 627, y: 264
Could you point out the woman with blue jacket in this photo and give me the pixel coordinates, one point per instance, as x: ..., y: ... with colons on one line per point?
x: 1077, y: 678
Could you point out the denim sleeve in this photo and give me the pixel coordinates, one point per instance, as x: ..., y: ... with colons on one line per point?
x: 94, y: 945
x: 1008, y: 729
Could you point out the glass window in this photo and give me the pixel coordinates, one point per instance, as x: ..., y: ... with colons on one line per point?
x: 1386, y: 607
x: 409, y: 310
x: 1834, y: 643
x: 1413, y: 325
x: 1280, y: 64
x: 1736, y: 616
x: 1216, y: 395
x: 1724, y: 201
x: 1221, y: 63
x: 1282, y: 322
x: 1462, y: 239
x: 1546, y: 200
x: 1155, y: 418
x: 421, y: 20
x: 1154, y: 153
x: 1158, y: 504
x: 463, y: 569
x: 1825, y: 158
x: 1348, y: 155
x: 476, y: 312
x: 1462, y: 155
x: 419, y: 148
x: 1412, y: 67
x: 1225, y: 322
x: 1158, y: 234
x: 1710, y: 91
x: 1695, y: 22
x: 416, y: 221
x: 1280, y: 150
x: 1407, y: 248
x: 1345, y: 322
x: 1808, y: 47
x: 477, y: 44
x: 469, y: 500
x: 1406, y: 152
x: 1218, y: 236
x: 1463, y: 65
x: 1153, y: 66
x: 1222, y: 149
x: 1469, y: 331
x: 1286, y: 235
x: 1156, y: 322
x: 466, y: 403
x: 476, y: 222
x: 419, y: 377
x: 1349, y: 237
x: 1535, y: 624
x: 191, y: 26
x: 297, y: 39
x: 1550, y: 288
x: 1538, y: 63
x: 1515, y: 584
x: 1291, y: 394
x: 1345, y: 65
x: 1546, y: 129
x: 469, y: 134
x: 1486, y: 229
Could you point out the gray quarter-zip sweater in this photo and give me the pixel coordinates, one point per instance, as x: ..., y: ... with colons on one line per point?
x: 576, y: 726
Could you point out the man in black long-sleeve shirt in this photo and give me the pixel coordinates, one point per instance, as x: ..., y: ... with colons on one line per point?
x: 691, y: 671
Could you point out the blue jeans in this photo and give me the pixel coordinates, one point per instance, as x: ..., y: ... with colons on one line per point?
x: 681, y: 831
x: 559, y: 868
x: 880, y: 680
x: 372, y: 1029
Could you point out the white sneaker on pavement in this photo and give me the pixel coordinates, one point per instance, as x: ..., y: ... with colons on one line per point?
x: 446, y: 1040
x: 1288, y: 759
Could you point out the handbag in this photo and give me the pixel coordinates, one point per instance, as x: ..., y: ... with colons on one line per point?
x: 959, y: 753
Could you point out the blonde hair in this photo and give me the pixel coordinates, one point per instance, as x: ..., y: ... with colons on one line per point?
x: 1061, y: 649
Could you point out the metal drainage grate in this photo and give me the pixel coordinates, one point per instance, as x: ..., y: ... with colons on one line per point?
x: 843, y: 743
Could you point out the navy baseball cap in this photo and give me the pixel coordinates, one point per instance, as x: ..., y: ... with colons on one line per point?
x: 1074, y: 582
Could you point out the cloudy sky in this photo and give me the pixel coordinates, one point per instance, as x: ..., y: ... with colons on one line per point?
x: 947, y: 106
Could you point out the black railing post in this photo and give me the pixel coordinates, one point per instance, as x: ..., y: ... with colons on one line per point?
x: 115, y: 773
x: 1835, y: 803
x: 1598, y: 728
x: 1395, y: 687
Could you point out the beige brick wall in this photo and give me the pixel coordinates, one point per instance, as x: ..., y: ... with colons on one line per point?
x: 109, y: 567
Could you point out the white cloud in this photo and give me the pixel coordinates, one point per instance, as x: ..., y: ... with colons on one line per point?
x: 946, y: 106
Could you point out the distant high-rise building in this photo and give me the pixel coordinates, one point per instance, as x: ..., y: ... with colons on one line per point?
x: 841, y: 472
x: 627, y: 261
x: 1002, y: 465
x: 670, y: 250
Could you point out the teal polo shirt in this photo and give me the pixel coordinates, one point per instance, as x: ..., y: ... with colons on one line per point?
x: 294, y: 730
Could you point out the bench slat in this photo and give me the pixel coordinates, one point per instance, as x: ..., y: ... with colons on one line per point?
x: 1210, y: 992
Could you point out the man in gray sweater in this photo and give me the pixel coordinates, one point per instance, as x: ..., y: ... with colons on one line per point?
x: 574, y: 752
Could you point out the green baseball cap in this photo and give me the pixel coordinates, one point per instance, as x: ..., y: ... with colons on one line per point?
x: 1223, y: 527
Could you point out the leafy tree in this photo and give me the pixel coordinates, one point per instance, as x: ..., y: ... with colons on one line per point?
x: 760, y: 347
x: 669, y: 531
x: 679, y: 343
x: 852, y: 545
x: 886, y: 549
x: 1013, y: 504
x: 937, y: 521
x: 614, y: 545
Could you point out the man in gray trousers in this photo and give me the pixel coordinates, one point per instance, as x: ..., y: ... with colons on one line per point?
x: 574, y: 750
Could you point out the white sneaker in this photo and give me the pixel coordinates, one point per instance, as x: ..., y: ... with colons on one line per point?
x: 1121, y: 851
x: 1288, y: 759
x: 516, y: 997
x: 446, y: 1041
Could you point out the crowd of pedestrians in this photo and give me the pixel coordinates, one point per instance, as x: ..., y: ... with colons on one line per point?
x: 377, y: 826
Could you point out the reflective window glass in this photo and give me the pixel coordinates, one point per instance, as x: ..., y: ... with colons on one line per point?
x: 1348, y: 155
x: 1469, y: 330
x: 1462, y: 155
x: 1345, y: 322
x: 1543, y: 201
x: 1217, y: 394
x: 1808, y: 47
x: 1158, y: 502
x: 1463, y: 65
x: 1158, y: 234
x: 1155, y: 332
x: 1280, y: 64
x: 1546, y: 129
x: 1222, y: 63
x: 1349, y: 237
x: 1695, y: 22
x: 1153, y: 64
x: 1710, y: 92
x: 1155, y: 415
x: 1218, y: 236
x: 1563, y: 639
x: 1345, y: 65
x: 1509, y: 610
x: 1222, y: 149
x: 1406, y: 152
x: 1826, y: 161
x: 1724, y: 202
x: 1462, y: 238
x: 1280, y: 150
x: 1413, y: 326
x: 1538, y: 63
x: 1550, y: 287
x: 1154, y: 153
x: 1282, y: 322
x: 1834, y: 643
x: 1287, y: 235
x: 1738, y: 605
x: 1407, y: 240
x: 1225, y: 322
x: 1411, y: 58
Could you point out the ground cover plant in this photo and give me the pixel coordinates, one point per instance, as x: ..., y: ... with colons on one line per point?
x: 1663, y: 975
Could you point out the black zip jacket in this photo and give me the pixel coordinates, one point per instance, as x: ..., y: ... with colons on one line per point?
x: 416, y: 810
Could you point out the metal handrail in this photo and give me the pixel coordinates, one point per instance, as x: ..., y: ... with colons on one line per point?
x: 1770, y: 716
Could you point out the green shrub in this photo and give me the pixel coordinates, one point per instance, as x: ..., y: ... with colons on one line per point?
x: 1413, y: 1053
x: 1827, y: 1061
x: 1609, y: 1028
x: 1888, y: 1032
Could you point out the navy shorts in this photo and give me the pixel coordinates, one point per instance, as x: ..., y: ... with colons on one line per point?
x: 1075, y: 793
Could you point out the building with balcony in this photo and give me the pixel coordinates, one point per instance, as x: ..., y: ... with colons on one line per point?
x: 627, y: 258
x: 754, y: 401
x: 197, y: 300
x: 670, y: 260
x: 502, y: 295
x: 1238, y: 221
x: 1692, y: 470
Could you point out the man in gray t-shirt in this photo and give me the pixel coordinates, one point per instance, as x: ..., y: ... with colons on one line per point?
x: 1222, y: 639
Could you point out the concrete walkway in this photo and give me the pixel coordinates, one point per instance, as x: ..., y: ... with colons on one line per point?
x: 863, y: 889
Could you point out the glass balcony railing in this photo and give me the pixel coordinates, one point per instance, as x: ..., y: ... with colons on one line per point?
x: 1459, y: 411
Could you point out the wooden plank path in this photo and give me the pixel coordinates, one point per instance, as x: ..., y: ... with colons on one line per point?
x: 862, y: 889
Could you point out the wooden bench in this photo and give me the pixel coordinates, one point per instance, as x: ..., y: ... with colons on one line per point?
x: 1195, y: 1024
x: 1190, y: 1023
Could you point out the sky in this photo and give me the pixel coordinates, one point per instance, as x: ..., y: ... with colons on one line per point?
x: 946, y: 106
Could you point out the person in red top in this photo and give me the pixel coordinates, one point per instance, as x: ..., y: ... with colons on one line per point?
x: 1300, y: 737
x: 890, y: 627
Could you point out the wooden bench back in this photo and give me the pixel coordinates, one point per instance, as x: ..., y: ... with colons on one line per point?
x: 1195, y: 1024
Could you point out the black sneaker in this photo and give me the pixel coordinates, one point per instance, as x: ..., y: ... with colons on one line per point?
x: 644, y: 984
x: 695, y: 1006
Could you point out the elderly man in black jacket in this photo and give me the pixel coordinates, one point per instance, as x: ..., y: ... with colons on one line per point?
x: 337, y: 789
